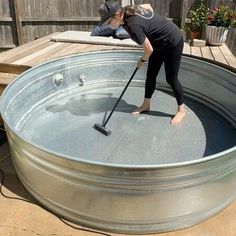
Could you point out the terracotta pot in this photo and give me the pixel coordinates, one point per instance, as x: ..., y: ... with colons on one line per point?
x: 195, y: 35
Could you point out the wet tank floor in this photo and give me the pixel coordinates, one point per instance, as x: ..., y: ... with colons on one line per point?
x: 65, y: 125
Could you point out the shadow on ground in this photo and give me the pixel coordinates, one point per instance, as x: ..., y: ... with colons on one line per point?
x: 11, y: 181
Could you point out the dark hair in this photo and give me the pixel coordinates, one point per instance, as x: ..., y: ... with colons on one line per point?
x: 132, y: 10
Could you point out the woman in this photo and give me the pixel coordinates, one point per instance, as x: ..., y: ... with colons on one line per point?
x: 162, y: 43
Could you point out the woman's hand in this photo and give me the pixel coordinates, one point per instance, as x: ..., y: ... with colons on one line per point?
x: 141, y: 63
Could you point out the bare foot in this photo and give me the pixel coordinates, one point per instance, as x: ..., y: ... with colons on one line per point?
x: 145, y: 107
x: 140, y: 110
x: 179, y: 115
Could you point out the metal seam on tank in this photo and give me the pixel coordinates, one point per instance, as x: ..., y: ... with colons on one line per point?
x: 174, y: 219
x: 20, y: 92
x: 187, y: 62
x: 135, y: 224
x: 103, y: 60
x: 208, y: 99
x: 231, y: 86
x: 208, y: 102
x: 198, y: 70
x: 169, y: 183
x: 132, y: 225
x: 108, y: 222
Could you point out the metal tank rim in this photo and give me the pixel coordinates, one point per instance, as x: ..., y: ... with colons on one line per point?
x: 117, y: 166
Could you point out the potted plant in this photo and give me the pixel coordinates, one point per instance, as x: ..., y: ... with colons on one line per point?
x: 219, y: 21
x: 198, y: 19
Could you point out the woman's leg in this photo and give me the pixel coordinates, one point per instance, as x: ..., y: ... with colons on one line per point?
x: 172, y: 64
x: 154, y: 64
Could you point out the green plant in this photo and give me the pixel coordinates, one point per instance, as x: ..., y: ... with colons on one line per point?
x: 198, y: 16
x: 222, y: 16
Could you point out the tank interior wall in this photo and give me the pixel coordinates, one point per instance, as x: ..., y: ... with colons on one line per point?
x: 209, y: 84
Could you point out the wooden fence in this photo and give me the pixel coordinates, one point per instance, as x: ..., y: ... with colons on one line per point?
x: 22, y: 21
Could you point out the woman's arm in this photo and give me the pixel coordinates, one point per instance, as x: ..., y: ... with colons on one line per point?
x: 103, y: 30
x: 148, y: 49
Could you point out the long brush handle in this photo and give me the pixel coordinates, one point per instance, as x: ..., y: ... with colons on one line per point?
x: 127, y: 85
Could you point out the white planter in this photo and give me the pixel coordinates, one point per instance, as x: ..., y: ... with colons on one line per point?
x: 216, y: 35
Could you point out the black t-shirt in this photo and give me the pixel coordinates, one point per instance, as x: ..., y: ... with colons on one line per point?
x: 162, y: 33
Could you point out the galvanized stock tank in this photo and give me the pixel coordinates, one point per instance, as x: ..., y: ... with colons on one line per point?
x: 148, y: 176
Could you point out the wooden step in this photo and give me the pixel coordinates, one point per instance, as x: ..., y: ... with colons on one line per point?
x: 13, y: 69
x: 5, y: 79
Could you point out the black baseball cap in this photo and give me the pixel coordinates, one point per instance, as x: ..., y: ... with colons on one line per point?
x: 107, y: 10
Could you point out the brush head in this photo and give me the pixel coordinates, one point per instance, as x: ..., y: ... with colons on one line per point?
x: 102, y: 129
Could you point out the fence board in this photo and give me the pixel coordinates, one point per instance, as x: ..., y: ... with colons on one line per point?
x: 4, y: 8
x: 17, y: 13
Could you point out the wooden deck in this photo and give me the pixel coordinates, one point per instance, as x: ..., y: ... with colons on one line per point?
x: 219, y: 55
x: 17, y: 60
